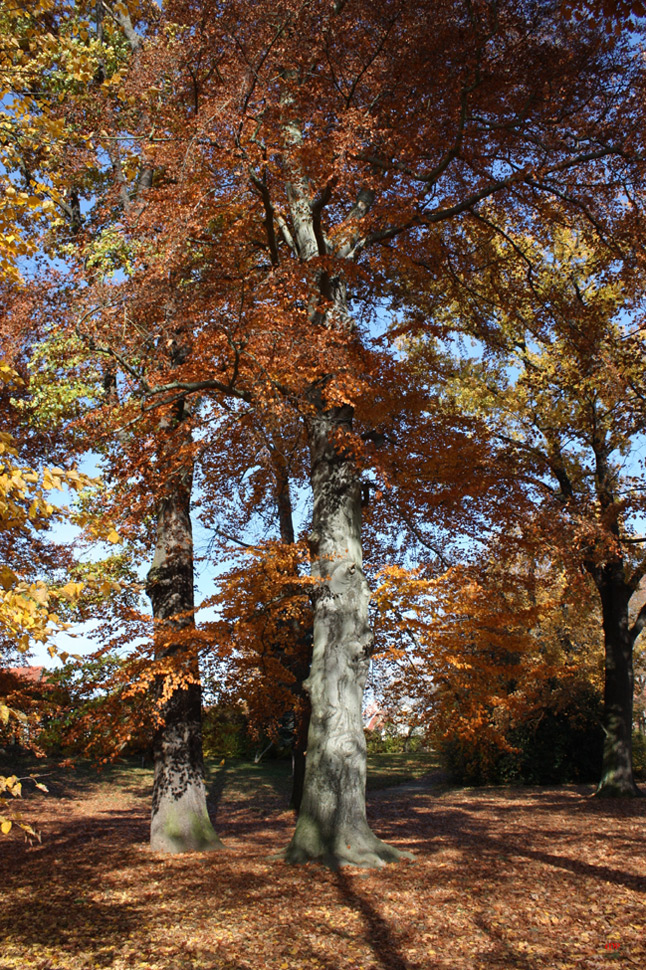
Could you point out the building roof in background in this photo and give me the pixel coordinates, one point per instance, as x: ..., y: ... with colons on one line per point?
x: 33, y: 674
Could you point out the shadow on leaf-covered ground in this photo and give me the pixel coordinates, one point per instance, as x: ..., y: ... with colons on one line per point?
x: 503, y: 878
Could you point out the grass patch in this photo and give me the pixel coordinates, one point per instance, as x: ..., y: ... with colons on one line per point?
x: 235, y: 777
x: 387, y: 770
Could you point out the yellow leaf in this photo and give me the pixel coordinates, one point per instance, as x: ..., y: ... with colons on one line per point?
x: 7, y: 577
x: 40, y: 594
x: 113, y: 536
x: 52, y: 478
x: 5, y: 827
x: 71, y: 591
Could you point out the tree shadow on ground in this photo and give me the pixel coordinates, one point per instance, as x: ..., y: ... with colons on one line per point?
x: 463, y: 828
x: 574, y: 799
x: 75, y: 778
x: 65, y: 874
x: 94, y: 887
x: 381, y: 937
x: 92, y: 883
x: 255, y: 789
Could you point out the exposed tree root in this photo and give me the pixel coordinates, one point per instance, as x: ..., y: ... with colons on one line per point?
x: 364, y: 851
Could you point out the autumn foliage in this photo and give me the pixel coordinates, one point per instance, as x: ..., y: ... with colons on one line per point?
x: 358, y: 288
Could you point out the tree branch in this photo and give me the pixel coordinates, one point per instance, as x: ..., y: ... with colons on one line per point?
x: 525, y: 175
x: 122, y: 17
x: 263, y: 189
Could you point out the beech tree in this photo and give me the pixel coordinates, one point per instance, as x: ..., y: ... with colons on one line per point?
x: 91, y: 45
x: 561, y: 390
x: 454, y: 644
x: 313, y: 154
x: 297, y: 170
x: 352, y: 152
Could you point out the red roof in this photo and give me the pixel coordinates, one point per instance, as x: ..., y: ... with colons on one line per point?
x: 32, y: 674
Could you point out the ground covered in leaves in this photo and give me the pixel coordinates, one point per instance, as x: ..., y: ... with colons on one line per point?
x: 504, y: 878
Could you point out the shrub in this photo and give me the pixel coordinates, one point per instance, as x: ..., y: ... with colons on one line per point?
x: 639, y: 756
x: 225, y: 733
x: 556, y: 743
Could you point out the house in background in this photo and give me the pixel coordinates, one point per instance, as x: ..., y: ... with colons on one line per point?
x: 397, y: 722
x: 33, y: 675
x: 374, y: 717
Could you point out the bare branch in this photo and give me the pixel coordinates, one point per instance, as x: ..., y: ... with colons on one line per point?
x: 523, y: 176
x: 189, y: 387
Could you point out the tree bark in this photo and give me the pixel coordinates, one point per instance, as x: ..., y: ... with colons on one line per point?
x: 332, y: 825
x: 617, y: 766
x: 179, y: 820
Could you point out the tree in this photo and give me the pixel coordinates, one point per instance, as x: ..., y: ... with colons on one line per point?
x: 264, y: 637
x: 493, y: 652
x: 305, y: 167
x: 341, y: 182
x: 97, y: 42
x: 560, y: 388
x: 28, y: 604
x: 180, y: 820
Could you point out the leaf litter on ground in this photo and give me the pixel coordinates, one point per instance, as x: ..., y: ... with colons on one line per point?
x: 528, y: 878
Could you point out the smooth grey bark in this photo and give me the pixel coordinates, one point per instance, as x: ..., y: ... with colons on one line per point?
x: 332, y: 825
x: 179, y: 817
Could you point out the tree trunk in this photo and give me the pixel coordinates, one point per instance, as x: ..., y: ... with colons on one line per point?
x: 332, y: 825
x: 299, y: 751
x: 180, y: 820
x: 617, y: 766
x: 300, y: 663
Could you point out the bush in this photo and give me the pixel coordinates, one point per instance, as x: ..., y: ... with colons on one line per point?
x: 639, y: 756
x: 554, y: 745
x: 390, y: 742
x: 225, y: 733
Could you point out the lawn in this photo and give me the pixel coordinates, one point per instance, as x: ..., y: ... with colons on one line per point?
x: 504, y: 878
